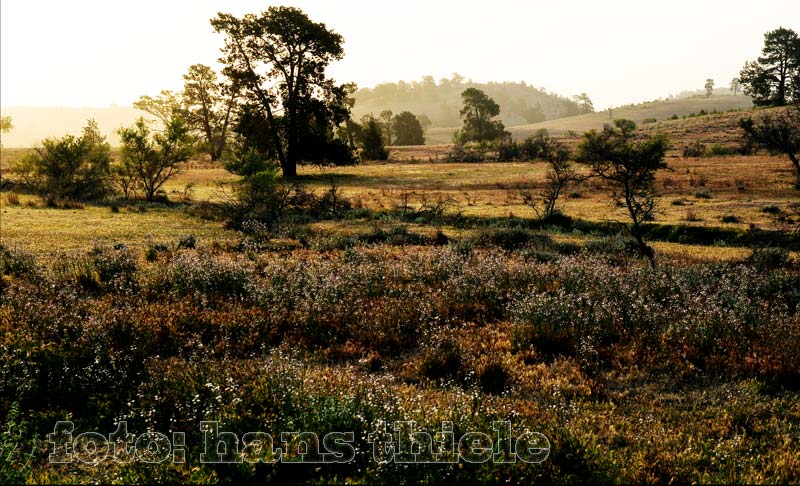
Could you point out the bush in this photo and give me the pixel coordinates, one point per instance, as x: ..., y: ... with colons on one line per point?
x: 704, y: 194
x: 16, y: 262
x: 462, y: 153
x: 694, y: 149
x: 442, y: 361
x: 71, y: 168
x: 717, y: 150
x: 730, y: 218
x: 769, y: 258
x: 512, y: 239
x: 492, y: 377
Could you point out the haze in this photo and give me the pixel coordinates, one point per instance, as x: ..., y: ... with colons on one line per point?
x: 100, y: 53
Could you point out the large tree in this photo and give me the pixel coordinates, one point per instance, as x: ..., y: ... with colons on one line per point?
x: 630, y: 166
x: 477, y: 112
x: 774, y: 79
x: 208, y: 106
x: 279, y: 59
x: 407, y: 129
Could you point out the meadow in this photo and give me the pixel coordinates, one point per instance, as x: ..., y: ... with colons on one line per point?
x: 434, y: 295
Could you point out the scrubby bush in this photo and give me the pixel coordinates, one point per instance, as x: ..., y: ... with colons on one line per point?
x: 70, y: 168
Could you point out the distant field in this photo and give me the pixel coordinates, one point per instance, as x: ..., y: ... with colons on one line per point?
x: 660, y: 110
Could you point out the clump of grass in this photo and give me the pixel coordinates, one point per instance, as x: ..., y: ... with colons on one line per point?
x: 704, y: 194
x: 12, y: 198
x: 731, y: 218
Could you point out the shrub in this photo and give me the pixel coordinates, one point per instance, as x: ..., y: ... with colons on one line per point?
x: 771, y: 209
x: 730, y: 218
x: 717, y: 150
x: 694, y: 149
x: 442, y: 361
x: 704, y: 194
x: 16, y: 262
x: 512, y: 238
x: 769, y: 258
x: 492, y: 377
x: 463, y: 153
x: 75, y: 168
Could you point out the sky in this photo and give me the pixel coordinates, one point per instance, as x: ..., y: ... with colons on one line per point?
x: 108, y: 52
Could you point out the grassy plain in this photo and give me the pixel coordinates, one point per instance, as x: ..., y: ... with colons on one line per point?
x: 686, y: 373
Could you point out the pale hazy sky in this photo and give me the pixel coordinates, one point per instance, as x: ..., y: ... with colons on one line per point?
x: 103, y: 52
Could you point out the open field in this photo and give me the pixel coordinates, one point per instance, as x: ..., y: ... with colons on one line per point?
x: 436, y: 297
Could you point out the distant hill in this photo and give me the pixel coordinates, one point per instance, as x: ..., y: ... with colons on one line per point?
x: 519, y: 103
x: 32, y: 124
x: 658, y: 110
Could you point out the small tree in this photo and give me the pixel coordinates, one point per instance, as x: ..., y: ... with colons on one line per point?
x: 584, y: 103
x: 630, y: 167
x: 407, y: 129
x: 208, y: 107
x: 75, y: 168
x: 372, y: 141
x: 386, y: 125
x: 709, y: 86
x: 777, y: 132
x: 735, y: 86
x: 477, y: 112
x: 155, y: 159
x: 5, y: 124
x: 558, y: 178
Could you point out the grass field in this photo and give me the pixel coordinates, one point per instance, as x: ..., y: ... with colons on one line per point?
x: 658, y: 110
x: 436, y: 297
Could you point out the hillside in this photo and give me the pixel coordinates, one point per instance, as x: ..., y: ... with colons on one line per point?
x: 660, y: 110
x: 440, y: 102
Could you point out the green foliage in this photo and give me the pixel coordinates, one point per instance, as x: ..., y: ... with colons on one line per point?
x: 559, y: 176
x: 631, y: 167
x: 153, y: 160
x: 5, y: 124
x: 477, y: 112
x: 208, y: 107
x: 778, y: 132
x: 71, y: 168
x: 279, y: 59
x: 775, y: 78
x: 372, y: 145
x: 407, y: 129
x: 164, y: 107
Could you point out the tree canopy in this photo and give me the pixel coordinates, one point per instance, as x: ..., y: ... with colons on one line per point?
x: 778, y: 131
x: 630, y: 166
x: 278, y: 58
x: 477, y: 112
x: 774, y: 79
x: 407, y: 129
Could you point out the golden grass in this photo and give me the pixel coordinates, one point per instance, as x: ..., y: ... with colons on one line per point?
x: 733, y: 186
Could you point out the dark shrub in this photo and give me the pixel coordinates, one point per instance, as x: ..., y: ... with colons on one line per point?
x: 492, y: 377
